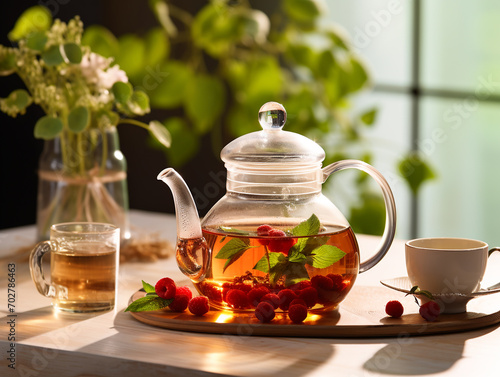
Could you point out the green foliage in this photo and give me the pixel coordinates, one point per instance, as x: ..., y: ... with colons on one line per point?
x: 415, y: 291
x: 230, y: 58
x: 185, y: 142
x: 415, y: 171
x: 16, y: 103
x: 369, y: 117
x: 37, y: 18
x: 233, y: 250
x: 101, y: 41
x: 368, y: 216
x: 326, y: 255
x: 78, y: 90
x: 122, y: 91
x: 157, y: 47
x: 162, y: 13
x: 131, y: 55
x: 52, y: 56
x: 139, y: 103
x: 160, y: 132
x: 48, y: 127
x: 148, y: 303
x: 37, y: 40
x: 148, y: 288
x: 72, y: 53
x: 302, y: 10
x: 307, y: 228
x: 78, y: 119
x: 169, y: 91
x: 204, y: 101
x: 7, y: 61
x: 215, y: 29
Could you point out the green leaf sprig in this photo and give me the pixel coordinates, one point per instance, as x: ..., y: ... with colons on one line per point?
x: 233, y: 250
x: 149, y: 302
x: 416, y: 291
x: 309, y: 249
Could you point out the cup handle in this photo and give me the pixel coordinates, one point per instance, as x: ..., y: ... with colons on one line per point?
x: 390, y: 206
x: 490, y: 251
x: 36, y: 268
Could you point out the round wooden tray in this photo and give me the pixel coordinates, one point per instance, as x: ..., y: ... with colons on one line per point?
x: 361, y: 315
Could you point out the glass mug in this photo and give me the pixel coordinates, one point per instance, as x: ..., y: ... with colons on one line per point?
x: 84, y: 260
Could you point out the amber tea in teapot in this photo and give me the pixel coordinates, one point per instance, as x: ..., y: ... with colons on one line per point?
x: 319, y: 268
x: 273, y: 236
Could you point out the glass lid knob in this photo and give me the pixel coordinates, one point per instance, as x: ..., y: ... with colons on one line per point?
x: 272, y: 116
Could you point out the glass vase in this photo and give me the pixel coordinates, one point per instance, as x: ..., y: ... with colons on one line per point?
x: 83, y: 178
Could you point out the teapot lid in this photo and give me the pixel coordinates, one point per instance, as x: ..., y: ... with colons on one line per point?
x: 273, y: 147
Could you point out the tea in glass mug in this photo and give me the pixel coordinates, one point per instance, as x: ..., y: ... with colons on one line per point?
x: 84, y: 259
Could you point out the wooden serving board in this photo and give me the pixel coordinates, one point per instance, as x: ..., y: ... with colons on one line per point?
x: 360, y: 315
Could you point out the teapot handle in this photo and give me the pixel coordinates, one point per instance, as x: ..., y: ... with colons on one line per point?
x: 390, y: 206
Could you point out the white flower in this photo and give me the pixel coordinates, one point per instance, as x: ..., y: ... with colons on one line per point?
x: 96, y: 70
x: 110, y: 76
x: 91, y: 64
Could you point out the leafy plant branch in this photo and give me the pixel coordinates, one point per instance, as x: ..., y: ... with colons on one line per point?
x: 81, y: 92
x: 227, y: 59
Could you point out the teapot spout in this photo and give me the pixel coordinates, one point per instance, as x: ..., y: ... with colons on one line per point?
x: 188, y: 222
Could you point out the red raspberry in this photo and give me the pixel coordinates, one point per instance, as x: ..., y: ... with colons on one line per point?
x: 281, y: 244
x: 237, y: 299
x: 286, y: 297
x: 165, y: 288
x: 264, y: 312
x: 263, y: 231
x: 430, y: 311
x: 310, y: 296
x: 301, y: 285
x: 271, y: 298
x: 298, y: 301
x: 242, y: 287
x: 214, y: 293
x: 226, y: 287
x: 180, y: 303
x: 322, y: 282
x: 297, y: 313
x: 184, y: 290
x: 256, y: 294
x: 199, y: 305
x: 338, y: 282
x: 276, y: 233
x: 394, y: 309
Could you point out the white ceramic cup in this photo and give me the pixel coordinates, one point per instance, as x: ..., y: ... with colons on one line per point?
x: 449, y: 268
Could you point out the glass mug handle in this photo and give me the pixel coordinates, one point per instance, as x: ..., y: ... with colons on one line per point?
x: 36, y: 268
x: 390, y: 206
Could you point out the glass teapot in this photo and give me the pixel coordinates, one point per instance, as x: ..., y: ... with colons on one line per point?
x: 273, y: 236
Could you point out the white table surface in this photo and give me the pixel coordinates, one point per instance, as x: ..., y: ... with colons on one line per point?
x: 115, y: 344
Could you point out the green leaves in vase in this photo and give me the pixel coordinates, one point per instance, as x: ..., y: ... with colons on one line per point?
x: 77, y: 88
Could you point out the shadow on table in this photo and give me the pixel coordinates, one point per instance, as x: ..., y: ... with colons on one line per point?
x: 43, y: 320
x: 421, y: 355
x: 214, y: 353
